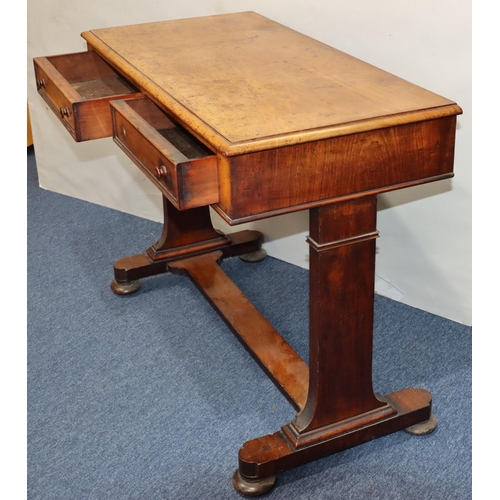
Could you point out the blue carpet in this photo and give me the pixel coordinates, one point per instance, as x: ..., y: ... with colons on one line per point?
x: 150, y: 396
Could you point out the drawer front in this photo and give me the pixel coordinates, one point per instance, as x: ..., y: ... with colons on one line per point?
x: 56, y: 93
x: 78, y: 88
x: 186, y: 173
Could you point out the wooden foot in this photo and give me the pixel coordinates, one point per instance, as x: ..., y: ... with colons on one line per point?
x: 254, y: 257
x: 252, y: 487
x: 125, y: 288
x: 423, y: 428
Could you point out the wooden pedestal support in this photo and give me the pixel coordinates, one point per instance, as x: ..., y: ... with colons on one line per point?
x: 185, y: 233
x: 337, y: 408
x: 335, y: 145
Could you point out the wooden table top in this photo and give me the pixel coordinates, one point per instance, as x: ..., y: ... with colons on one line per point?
x: 244, y: 83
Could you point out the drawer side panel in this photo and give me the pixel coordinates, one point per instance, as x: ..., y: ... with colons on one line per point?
x: 186, y: 183
x: 56, y: 92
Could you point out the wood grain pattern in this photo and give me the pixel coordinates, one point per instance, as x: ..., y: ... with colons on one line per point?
x: 187, y: 182
x: 185, y: 233
x: 342, y: 282
x: 244, y: 83
x: 258, y: 120
x: 302, y: 176
x: 267, y: 455
x: 78, y: 88
x: 341, y: 409
x: 278, y: 359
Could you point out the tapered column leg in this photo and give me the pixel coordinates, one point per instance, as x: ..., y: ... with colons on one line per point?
x: 185, y: 233
x: 341, y: 409
x: 342, y: 273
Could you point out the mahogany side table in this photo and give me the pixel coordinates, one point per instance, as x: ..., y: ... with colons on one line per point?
x: 251, y: 118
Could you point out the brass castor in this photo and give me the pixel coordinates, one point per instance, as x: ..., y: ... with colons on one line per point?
x: 423, y: 428
x: 252, y: 487
x: 253, y: 257
x: 125, y: 287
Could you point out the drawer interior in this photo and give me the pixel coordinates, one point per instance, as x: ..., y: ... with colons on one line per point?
x: 182, y: 140
x: 90, y: 75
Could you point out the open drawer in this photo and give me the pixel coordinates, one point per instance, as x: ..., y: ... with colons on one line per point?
x: 182, y: 168
x: 78, y: 88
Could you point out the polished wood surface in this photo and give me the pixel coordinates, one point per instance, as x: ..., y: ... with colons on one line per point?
x: 185, y: 233
x: 78, y: 88
x: 182, y: 168
x: 265, y: 183
x: 255, y: 120
x: 276, y: 105
x: 277, y: 358
x: 245, y: 83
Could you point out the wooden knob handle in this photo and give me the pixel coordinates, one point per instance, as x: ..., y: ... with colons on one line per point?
x: 161, y: 172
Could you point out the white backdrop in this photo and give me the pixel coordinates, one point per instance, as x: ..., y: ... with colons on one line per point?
x: 424, y: 252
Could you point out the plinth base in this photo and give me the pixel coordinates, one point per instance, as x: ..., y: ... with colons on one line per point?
x: 265, y: 456
x: 130, y: 270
